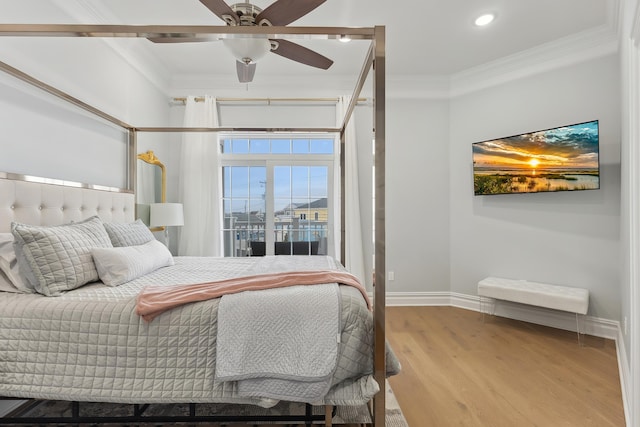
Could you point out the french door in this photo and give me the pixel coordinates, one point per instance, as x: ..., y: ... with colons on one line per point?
x: 278, y: 207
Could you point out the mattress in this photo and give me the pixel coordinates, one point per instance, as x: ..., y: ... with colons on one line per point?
x: 90, y: 345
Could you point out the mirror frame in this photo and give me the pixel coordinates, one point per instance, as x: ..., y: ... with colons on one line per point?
x: 150, y: 157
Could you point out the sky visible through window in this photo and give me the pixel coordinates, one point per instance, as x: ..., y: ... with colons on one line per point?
x: 277, y: 146
x: 245, y: 186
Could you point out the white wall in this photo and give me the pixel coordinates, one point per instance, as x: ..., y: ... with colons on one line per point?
x: 44, y: 137
x: 567, y: 238
x: 417, y: 194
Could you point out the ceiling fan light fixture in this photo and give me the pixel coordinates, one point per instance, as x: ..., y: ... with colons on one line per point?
x: 485, y: 19
x: 248, y: 50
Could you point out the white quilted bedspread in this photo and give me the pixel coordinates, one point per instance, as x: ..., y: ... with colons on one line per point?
x: 280, y: 343
x: 90, y: 345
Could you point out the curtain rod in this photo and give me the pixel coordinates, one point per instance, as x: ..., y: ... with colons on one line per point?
x: 183, y: 99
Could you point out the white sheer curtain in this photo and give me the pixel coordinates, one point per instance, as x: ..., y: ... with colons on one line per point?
x: 200, y: 182
x: 353, y: 231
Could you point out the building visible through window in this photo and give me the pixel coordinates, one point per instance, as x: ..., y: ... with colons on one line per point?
x: 272, y: 187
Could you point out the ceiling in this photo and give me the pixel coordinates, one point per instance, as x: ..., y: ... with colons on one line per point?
x: 423, y: 37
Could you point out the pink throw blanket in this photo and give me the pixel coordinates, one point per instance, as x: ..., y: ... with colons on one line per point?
x: 154, y: 300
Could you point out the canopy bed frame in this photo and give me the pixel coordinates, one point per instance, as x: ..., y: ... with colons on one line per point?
x: 375, y: 60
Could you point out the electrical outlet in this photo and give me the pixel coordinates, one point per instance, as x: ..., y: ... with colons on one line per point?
x: 392, y: 276
x: 625, y: 326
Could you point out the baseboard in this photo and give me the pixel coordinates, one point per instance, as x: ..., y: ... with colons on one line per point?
x: 399, y: 299
x: 625, y: 376
x: 591, y: 325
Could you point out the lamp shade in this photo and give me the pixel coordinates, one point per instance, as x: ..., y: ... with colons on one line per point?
x: 166, y: 214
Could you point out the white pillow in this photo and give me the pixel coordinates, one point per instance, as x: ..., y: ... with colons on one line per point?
x: 10, y: 279
x: 123, y: 264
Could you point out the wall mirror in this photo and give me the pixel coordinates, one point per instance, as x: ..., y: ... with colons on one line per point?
x: 151, y: 186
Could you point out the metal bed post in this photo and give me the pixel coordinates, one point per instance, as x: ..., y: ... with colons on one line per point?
x: 343, y: 199
x: 132, y: 157
x: 379, y: 295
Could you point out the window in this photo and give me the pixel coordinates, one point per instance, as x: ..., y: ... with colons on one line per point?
x: 272, y: 187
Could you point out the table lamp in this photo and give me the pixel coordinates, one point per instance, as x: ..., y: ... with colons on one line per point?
x: 166, y: 215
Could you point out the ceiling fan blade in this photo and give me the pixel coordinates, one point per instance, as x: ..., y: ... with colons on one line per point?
x: 222, y: 10
x: 301, y: 54
x: 284, y: 12
x: 245, y: 71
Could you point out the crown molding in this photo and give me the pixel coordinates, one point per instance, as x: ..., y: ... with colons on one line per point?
x: 133, y: 54
x: 397, y: 87
x: 587, y: 45
x: 271, y: 86
x: 571, y: 50
x: 564, y: 52
x: 584, y: 46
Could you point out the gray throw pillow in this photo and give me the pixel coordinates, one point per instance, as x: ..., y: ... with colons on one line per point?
x: 59, y: 258
x: 128, y: 234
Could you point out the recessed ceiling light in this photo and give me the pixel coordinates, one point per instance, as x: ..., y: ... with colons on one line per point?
x: 344, y: 39
x: 485, y: 19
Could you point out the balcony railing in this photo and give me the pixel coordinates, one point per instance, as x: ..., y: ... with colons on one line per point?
x: 310, y: 238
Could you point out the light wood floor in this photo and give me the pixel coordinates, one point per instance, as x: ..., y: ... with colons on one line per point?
x: 459, y: 371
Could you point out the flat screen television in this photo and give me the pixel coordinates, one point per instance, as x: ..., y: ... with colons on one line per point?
x: 564, y: 158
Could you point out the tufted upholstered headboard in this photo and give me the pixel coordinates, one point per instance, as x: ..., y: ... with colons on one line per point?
x: 40, y: 203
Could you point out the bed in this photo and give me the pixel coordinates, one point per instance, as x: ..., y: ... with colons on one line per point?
x: 90, y: 343
x: 172, y: 357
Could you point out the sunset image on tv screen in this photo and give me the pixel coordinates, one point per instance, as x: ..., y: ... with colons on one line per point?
x: 559, y: 159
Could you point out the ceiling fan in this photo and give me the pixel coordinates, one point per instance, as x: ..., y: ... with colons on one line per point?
x: 249, y: 50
